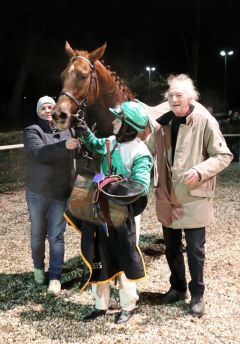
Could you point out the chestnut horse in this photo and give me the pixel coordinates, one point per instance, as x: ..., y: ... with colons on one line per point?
x: 89, y: 89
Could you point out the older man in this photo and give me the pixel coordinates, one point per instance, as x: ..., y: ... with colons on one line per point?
x: 189, y: 151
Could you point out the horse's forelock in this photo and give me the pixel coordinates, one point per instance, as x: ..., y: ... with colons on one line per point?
x: 77, y: 54
x: 82, y: 53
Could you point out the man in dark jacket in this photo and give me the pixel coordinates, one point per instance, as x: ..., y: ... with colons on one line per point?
x: 49, y: 179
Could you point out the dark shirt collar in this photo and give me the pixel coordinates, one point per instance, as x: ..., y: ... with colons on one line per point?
x: 168, y: 116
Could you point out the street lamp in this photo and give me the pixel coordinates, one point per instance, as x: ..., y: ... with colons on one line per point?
x: 149, y: 70
x: 226, y: 54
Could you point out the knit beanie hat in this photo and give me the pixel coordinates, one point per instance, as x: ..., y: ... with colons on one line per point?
x: 43, y: 100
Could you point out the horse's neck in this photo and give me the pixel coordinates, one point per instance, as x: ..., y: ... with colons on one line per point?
x: 109, y: 93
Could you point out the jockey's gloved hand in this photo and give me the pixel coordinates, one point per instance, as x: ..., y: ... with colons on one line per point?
x: 82, y: 128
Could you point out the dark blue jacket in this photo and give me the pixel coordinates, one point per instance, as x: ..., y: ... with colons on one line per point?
x: 49, y: 165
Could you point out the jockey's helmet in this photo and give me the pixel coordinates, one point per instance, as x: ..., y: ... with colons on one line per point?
x: 132, y: 113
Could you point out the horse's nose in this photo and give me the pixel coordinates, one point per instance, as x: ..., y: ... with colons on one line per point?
x: 62, y: 116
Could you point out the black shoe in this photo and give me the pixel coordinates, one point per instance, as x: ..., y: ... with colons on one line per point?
x: 173, y: 296
x: 197, y: 307
x: 94, y: 314
x: 123, y: 316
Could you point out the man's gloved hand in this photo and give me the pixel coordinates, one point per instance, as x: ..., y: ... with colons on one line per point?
x: 82, y: 128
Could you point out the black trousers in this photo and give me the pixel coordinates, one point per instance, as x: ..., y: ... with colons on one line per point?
x: 195, y: 239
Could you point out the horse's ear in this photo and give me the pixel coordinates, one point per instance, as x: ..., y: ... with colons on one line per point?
x: 98, y: 53
x: 68, y: 49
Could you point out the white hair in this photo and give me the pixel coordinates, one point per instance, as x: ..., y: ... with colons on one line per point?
x: 183, y: 82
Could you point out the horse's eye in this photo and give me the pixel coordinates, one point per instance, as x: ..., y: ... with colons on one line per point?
x: 84, y: 76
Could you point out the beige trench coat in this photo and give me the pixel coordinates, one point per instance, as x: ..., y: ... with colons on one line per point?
x: 200, y: 145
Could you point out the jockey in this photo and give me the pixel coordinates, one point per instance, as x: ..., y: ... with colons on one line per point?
x: 131, y: 158
x: 128, y: 153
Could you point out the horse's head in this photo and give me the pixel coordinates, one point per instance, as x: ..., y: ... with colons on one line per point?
x: 79, y: 85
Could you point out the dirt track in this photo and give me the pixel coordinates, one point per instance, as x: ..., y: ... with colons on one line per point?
x: 27, y: 316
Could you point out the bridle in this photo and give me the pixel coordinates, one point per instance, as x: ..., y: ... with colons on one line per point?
x: 82, y: 105
x: 81, y: 113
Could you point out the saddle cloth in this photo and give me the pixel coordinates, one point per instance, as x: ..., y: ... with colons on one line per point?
x: 81, y: 205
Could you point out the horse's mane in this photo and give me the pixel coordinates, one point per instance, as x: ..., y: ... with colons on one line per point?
x: 127, y: 93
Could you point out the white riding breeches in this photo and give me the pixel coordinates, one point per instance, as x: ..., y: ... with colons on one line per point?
x: 127, y: 293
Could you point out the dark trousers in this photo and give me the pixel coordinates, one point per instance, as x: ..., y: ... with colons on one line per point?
x: 195, y: 239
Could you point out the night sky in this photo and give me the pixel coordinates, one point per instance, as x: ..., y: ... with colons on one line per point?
x: 138, y: 33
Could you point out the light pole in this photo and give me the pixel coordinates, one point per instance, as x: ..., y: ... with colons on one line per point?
x: 150, y: 70
x: 225, y: 54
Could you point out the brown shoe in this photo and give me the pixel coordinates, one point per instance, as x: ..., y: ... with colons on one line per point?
x: 173, y: 296
x: 197, y: 306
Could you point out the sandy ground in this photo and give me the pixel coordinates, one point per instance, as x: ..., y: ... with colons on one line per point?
x: 28, y: 316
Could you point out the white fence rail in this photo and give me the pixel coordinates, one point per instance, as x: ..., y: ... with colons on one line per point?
x: 2, y: 148
x: 12, y: 162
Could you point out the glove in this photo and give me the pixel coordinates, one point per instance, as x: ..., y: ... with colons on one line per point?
x: 82, y: 128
